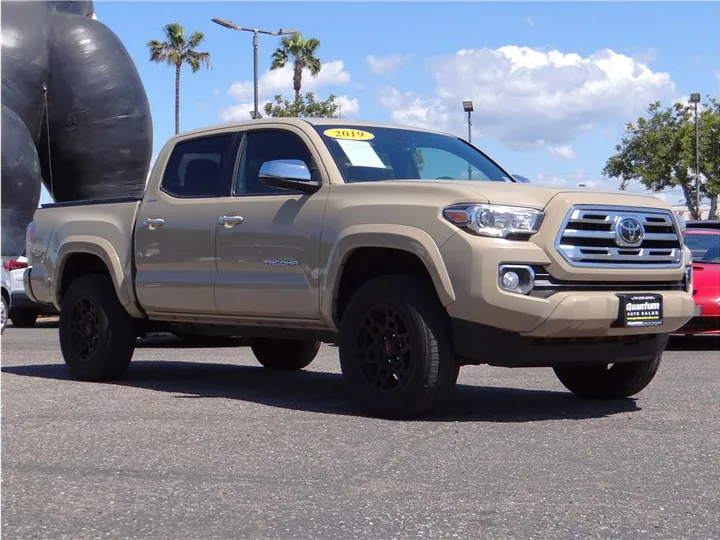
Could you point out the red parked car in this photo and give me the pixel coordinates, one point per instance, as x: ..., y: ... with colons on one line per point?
x: 705, y: 247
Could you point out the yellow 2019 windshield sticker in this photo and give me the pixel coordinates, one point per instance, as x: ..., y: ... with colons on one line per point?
x: 349, y: 134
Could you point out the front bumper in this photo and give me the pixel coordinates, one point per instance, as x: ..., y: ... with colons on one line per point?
x: 479, y: 344
x: 573, y: 313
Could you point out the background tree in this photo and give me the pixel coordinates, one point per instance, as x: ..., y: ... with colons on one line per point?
x: 303, y: 106
x: 659, y: 152
x: 178, y: 49
x: 709, y: 128
x: 302, y: 53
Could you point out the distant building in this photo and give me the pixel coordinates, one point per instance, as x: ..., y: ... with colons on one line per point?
x: 682, y: 211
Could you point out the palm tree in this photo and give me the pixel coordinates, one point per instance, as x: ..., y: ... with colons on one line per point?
x: 176, y: 50
x: 302, y: 53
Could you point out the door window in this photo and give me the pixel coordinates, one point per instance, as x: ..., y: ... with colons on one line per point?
x: 271, y: 152
x: 195, y: 167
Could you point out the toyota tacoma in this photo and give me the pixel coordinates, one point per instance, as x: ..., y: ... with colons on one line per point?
x: 412, y: 250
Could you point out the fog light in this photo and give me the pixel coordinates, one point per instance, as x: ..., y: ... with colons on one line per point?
x: 510, y: 280
x: 519, y: 279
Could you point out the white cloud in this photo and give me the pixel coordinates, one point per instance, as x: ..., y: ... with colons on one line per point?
x: 280, y: 81
x: 347, y: 106
x: 565, y: 151
x: 528, y: 98
x: 241, y: 111
x: 385, y: 65
x: 530, y: 21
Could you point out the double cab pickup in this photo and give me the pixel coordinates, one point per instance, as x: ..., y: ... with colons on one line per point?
x: 412, y: 250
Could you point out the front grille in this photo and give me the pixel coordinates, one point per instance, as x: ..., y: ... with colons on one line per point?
x: 598, y: 236
x: 546, y: 285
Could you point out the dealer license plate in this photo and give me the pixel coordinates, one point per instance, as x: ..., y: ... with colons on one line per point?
x: 640, y: 310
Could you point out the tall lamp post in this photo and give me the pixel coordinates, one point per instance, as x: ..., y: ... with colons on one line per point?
x: 232, y: 26
x: 695, y: 100
x: 468, y: 108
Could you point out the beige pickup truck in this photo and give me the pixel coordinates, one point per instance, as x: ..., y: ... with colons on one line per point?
x: 412, y: 250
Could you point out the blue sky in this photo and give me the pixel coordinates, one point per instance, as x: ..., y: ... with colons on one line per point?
x: 552, y: 83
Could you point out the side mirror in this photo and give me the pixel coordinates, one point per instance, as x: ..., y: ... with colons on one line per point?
x: 290, y: 174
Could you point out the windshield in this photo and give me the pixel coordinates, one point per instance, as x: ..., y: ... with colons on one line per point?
x: 705, y: 247
x: 378, y: 153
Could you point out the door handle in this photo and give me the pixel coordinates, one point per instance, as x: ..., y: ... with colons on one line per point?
x: 154, y: 223
x: 230, y: 221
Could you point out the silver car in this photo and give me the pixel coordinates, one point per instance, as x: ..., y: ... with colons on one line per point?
x: 6, y: 301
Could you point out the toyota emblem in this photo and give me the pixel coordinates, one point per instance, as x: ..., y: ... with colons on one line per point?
x: 629, y: 232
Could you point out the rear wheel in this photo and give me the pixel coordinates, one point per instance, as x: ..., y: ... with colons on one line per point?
x: 608, y: 381
x: 396, y: 351
x: 24, y: 318
x: 97, y: 335
x: 284, y: 354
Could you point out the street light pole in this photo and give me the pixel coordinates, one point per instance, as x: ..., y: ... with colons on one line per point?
x: 468, y: 108
x: 695, y: 100
x: 232, y: 26
x: 255, y: 74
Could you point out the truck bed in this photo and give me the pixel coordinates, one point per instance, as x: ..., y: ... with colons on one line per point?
x: 101, y: 227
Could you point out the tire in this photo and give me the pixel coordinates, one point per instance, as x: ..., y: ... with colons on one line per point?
x: 24, y: 318
x: 3, y: 315
x: 608, y: 381
x: 97, y: 335
x: 419, y: 379
x: 284, y: 354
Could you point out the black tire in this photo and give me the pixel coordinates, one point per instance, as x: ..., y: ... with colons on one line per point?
x: 97, y: 335
x: 23, y: 318
x: 608, y: 381
x: 421, y: 377
x: 284, y: 354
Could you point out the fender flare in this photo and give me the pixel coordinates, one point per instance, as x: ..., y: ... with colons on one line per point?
x: 104, y: 250
x: 391, y: 236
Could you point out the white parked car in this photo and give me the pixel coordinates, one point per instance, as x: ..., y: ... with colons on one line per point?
x: 23, y: 312
x: 6, y: 301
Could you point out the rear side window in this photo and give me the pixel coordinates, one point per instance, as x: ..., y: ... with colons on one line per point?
x: 195, y: 167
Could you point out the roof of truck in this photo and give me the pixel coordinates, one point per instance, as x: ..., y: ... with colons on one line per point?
x: 294, y: 121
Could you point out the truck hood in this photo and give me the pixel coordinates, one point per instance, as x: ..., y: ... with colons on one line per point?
x: 532, y: 196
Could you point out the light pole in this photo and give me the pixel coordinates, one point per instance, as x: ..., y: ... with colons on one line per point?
x: 695, y: 100
x: 232, y: 26
x: 468, y: 108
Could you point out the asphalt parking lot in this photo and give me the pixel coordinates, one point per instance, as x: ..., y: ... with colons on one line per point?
x: 204, y: 443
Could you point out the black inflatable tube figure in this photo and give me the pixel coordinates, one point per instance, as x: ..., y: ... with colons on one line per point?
x: 75, y: 115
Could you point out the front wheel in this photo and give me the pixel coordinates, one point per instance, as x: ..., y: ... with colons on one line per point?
x: 608, y: 381
x: 396, y: 351
x: 97, y: 335
x: 284, y: 354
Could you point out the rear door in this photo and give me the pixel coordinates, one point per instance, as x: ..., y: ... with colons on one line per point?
x: 268, y: 239
x: 175, y: 231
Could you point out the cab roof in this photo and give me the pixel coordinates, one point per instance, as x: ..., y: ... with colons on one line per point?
x: 295, y: 121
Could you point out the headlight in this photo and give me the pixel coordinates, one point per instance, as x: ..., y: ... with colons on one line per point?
x: 493, y: 220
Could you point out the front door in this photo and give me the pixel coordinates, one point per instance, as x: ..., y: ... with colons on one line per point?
x: 175, y: 230
x: 268, y: 239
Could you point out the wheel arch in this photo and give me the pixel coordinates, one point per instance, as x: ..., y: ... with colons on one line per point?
x: 78, y: 256
x: 394, y: 249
